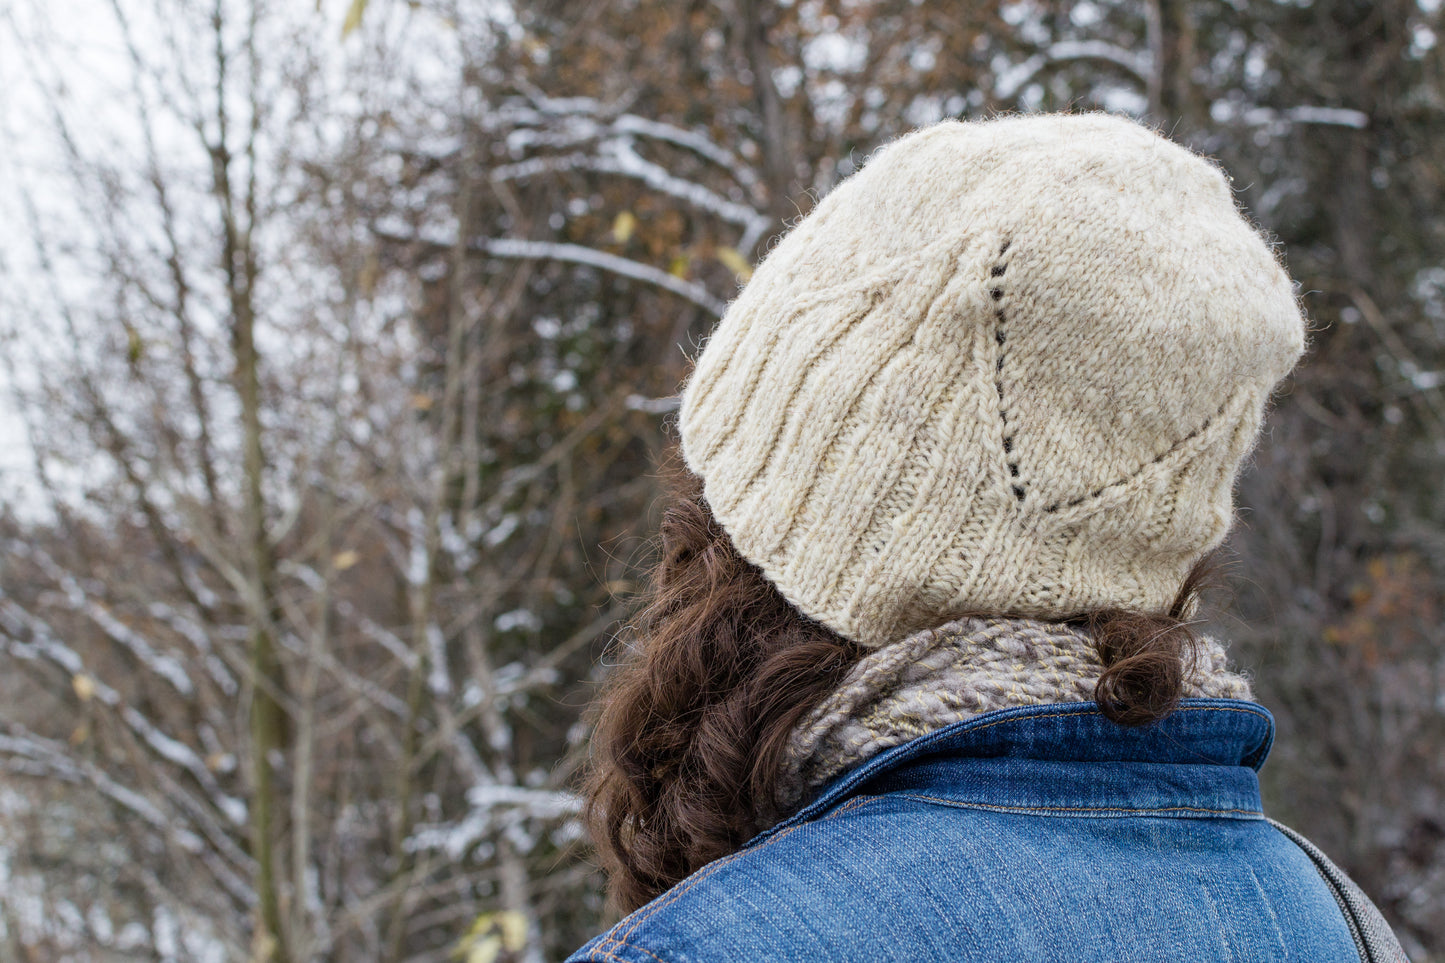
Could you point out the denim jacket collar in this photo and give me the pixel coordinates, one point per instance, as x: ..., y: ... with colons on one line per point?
x: 1220, y: 742
x: 980, y: 842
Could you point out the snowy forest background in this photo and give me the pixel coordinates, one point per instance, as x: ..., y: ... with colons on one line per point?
x: 339, y: 340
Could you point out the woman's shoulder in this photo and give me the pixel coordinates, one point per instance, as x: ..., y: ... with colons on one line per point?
x: 947, y: 861
x: 805, y: 891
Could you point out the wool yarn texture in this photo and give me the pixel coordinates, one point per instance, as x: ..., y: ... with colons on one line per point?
x: 957, y: 671
x: 1009, y: 366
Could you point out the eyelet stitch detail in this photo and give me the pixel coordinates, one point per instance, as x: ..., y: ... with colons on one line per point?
x: 1000, y: 337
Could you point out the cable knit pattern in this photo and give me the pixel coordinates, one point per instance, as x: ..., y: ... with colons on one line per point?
x: 954, y: 672
x: 1009, y: 366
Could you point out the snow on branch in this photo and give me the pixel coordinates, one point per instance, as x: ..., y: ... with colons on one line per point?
x: 562, y: 105
x: 491, y: 805
x: 165, y: 666
x: 216, y: 667
x: 46, y: 757
x: 619, y: 157
x: 1012, y: 80
x: 693, y: 141
x: 227, y: 861
x: 15, y: 621
x: 378, y: 633
x: 537, y: 803
x: 506, y: 247
x: 25, y: 753
x: 1250, y: 116
x: 574, y: 120
x: 45, y: 644
x: 356, y: 683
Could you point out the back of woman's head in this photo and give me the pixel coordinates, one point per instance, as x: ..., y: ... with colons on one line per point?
x: 1008, y: 369
x: 718, y: 670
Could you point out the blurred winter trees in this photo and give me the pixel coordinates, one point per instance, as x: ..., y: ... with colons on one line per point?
x: 339, y: 343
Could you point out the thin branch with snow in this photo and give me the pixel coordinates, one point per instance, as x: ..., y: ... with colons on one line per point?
x: 516, y: 248
x: 602, y: 260
x: 1254, y: 116
x: 1137, y: 64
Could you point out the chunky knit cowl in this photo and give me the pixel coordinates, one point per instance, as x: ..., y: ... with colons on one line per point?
x: 957, y: 671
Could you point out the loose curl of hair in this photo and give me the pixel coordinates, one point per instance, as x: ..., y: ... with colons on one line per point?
x: 692, y: 726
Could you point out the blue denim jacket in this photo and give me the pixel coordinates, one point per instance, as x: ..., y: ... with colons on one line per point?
x: 1034, y: 834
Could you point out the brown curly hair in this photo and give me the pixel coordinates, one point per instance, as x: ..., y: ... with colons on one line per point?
x: 720, y: 669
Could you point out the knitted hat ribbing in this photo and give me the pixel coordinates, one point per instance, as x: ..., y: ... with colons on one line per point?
x: 1008, y: 367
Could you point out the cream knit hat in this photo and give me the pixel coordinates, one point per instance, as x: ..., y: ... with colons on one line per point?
x: 1009, y: 367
